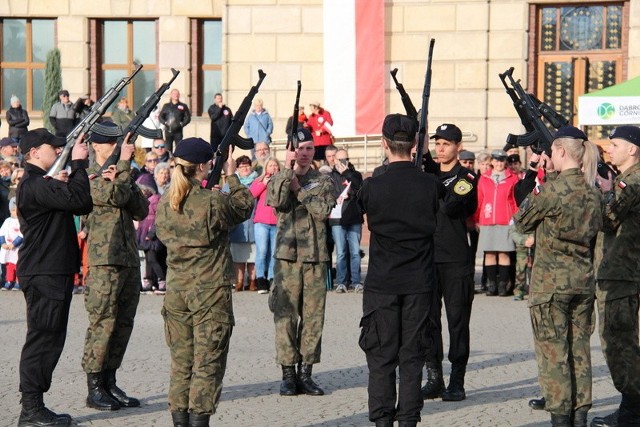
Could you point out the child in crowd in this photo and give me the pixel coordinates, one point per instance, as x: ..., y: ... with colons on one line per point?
x: 11, y: 239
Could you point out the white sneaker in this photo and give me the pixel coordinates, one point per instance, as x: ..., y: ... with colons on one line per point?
x: 341, y: 289
x: 263, y: 291
x: 358, y: 289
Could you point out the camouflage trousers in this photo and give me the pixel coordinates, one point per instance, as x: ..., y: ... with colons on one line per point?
x: 111, y: 300
x: 618, y: 314
x: 197, y: 327
x: 562, y: 325
x: 521, y: 268
x: 299, y: 301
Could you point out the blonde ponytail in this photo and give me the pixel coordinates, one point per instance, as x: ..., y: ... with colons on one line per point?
x: 585, y: 153
x: 590, y: 159
x: 180, y: 183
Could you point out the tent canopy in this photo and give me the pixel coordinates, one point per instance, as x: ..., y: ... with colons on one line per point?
x: 615, y: 105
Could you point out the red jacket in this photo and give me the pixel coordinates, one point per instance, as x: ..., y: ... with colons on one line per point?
x: 321, y: 122
x: 496, y: 202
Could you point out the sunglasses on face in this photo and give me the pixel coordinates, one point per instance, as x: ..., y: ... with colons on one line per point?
x: 159, y: 146
x: 152, y: 161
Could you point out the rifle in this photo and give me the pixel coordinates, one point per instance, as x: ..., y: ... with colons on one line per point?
x: 293, y: 135
x: 404, y: 96
x: 89, y: 123
x: 424, y: 111
x: 136, y: 128
x: 531, y: 110
x: 231, y: 137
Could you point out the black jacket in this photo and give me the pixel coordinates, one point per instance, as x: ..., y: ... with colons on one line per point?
x: 175, y: 116
x: 351, y: 210
x: 458, y: 201
x: 220, y: 121
x: 18, y: 120
x: 401, y: 206
x: 45, y: 210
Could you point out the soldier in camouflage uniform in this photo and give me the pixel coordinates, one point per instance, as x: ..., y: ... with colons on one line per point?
x: 618, y: 290
x: 564, y: 213
x: 303, y: 199
x: 198, y: 313
x: 113, y: 285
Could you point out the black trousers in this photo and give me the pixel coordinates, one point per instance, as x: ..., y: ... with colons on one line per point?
x: 48, y: 299
x: 156, y: 265
x: 394, y: 334
x: 455, y: 287
x: 170, y: 138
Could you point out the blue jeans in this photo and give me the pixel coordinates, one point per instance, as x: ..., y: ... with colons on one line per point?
x: 265, y: 236
x: 347, y: 237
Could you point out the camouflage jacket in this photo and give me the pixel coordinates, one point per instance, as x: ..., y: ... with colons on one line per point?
x: 112, y: 238
x: 302, y: 229
x: 564, y: 213
x: 197, y: 239
x: 621, y: 217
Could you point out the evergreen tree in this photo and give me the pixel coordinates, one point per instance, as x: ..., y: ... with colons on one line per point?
x: 52, y: 85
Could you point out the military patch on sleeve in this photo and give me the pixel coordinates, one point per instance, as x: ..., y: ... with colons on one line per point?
x: 622, y: 185
x: 537, y: 190
x: 471, y: 176
x: 310, y: 185
x: 462, y: 187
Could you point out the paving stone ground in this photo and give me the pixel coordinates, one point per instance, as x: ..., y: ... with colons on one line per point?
x: 501, y: 375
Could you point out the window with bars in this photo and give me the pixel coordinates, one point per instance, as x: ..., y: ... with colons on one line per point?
x: 25, y: 44
x: 116, y: 47
x: 580, y: 48
x: 206, y: 62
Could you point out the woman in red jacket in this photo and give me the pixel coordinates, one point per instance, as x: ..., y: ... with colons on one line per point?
x: 320, y: 124
x: 496, y: 206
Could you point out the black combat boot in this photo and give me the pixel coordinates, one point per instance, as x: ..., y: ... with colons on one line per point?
x: 610, y: 420
x: 455, y: 390
x: 560, y: 420
x: 34, y: 413
x: 502, y: 287
x: 537, y: 404
x: 492, y: 288
x: 180, y: 418
x: 384, y: 422
x: 305, y: 382
x: 199, y: 420
x: 435, y: 384
x: 288, y: 384
x: 115, y: 391
x: 407, y: 423
x: 98, y: 397
x: 579, y: 416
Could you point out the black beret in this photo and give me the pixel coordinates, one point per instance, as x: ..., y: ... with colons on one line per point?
x: 448, y: 131
x: 570, y: 132
x: 628, y: 133
x: 37, y: 137
x: 100, y: 139
x: 194, y: 150
x: 398, y: 127
x: 513, y: 158
x: 304, y: 135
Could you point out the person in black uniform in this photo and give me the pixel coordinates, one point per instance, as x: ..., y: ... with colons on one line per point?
x: 454, y: 262
x: 221, y: 117
x: 49, y: 258
x: 401, y: 276
x: 175, y: 115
